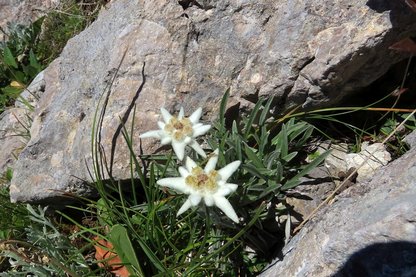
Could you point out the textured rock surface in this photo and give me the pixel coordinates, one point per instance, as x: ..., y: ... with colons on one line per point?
x: 410, y: 139
x: 341, y: 161
x: 15, y: 124
x: 23, y: 11
x: 303, y: 53
x: 369, y: 231
x: 13, y: 136
x: 314, y: 189
x: 368, y: 160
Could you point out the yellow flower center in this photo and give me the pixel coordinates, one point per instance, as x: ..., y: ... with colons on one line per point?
x: 179, y: 128
x: 199, y: 180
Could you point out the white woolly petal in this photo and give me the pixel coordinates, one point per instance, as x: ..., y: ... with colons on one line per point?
x: 190, y: 164
x: 176, y: 183
x: 183, y: 172
x: 226, y: 207
x: 195, y: 199
x: 196, y: 115
x: 161, y: 125
x: 151, y: 134
x: 187, y: 140
x: 226, y: 189
x: 228, y: 170
x: 232, y: 187
x: 212, y: 162
x: 165, y: 114
x: 179, y: 148
x: 199, y: 131
x: 166, y: 140
x: 209, y: 200
x: 181, y: 113
x: 184, y: 207
x: 198, y: 149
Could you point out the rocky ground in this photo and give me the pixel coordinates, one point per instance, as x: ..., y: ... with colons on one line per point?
x: 172, y: 53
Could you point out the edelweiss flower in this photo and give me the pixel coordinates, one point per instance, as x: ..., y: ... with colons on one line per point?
x: 180, y: 131
x: 208, y: 184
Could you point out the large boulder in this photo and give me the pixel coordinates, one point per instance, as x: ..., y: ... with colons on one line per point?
x: 188, y: 53
x: 369, y: 231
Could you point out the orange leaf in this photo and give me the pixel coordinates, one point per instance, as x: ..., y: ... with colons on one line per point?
x: 405, y: 45
x: 111, y: 261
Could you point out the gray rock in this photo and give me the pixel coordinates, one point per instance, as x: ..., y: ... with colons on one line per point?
x: 304, y: 198
x: 13, y: 136
x: 369, y: 231
x: 23, y: 11
x: 340, y: 161
x: 368, y: 160
x: 29, y: 97
x: 411, y: 139
x: 336, y: 160
x: 303, y: 53
x: 16, y: 122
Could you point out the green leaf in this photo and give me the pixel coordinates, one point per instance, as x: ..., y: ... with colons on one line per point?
x: 253, y: 170
x: 19, y: 76
x: 8, y: 57
x: 124, y: 249
x: 265, y: 112
x: 251, y: 117
x: 253, y: 157
x: 281, y: 141
x: 259, y: 186
x: 264, y: 139
x: 289, y: 156
x: 294, y: 130
x: 213, y: 143
x: 279, y: 172
x: 33, y: 61
x: 272, y: 158
x: 223, y: 107
x: 223, y: 140
x: 12, y: 92
x: 103, y: 213
x: 293, y: 182
x: 234, y: 129
x: 270, y: 189
x: 237, y: 141
x: 30, y: 71
x: 306, y: 135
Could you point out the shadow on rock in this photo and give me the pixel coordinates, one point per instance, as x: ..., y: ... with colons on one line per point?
x: 382, y: 259
x: 400, y: 12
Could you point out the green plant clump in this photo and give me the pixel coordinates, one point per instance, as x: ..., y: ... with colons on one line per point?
x: 141, y: 221
x: 13, y: 216
x: 44, y: 251
x: 18, y: 62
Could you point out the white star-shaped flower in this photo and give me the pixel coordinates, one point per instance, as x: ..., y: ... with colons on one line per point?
x: 180, y: 131
x: 207, y: 184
